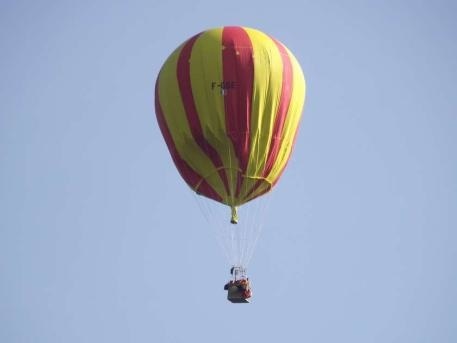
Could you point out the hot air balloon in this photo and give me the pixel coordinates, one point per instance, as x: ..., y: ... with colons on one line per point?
x: 228, y: 102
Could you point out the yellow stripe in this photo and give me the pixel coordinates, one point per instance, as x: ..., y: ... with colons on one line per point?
x: 265, y: 101
x: 265, y: 186
x: 176, y: 120
x: 292, y: 119
x: 206, y: 70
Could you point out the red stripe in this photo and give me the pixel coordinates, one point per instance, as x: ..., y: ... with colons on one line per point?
x: 249, y: 197
x: 281, y: 115
x: 238, y: 73
x: 283, y: 107
x: 259, y: 182
x: 187, y: 173
x: 254, y: 188
x: 185, y: 88
x: 288, y: 158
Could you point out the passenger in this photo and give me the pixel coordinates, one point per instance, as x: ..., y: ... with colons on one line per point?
x: 242, y: 285
x: 247, y: 293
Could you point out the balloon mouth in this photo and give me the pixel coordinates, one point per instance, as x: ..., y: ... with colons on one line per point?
x: 234, y: 216
x: 252, y: 187
x: 255, y: 187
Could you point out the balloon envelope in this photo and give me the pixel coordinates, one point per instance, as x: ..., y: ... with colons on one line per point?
x: 228, y: 102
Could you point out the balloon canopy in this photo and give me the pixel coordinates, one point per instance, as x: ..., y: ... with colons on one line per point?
x: 228, y: 102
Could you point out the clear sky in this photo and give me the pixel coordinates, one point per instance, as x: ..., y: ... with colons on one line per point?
x: 101, y: 241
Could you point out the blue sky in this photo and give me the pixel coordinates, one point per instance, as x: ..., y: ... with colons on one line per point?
x: 101, y: 241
